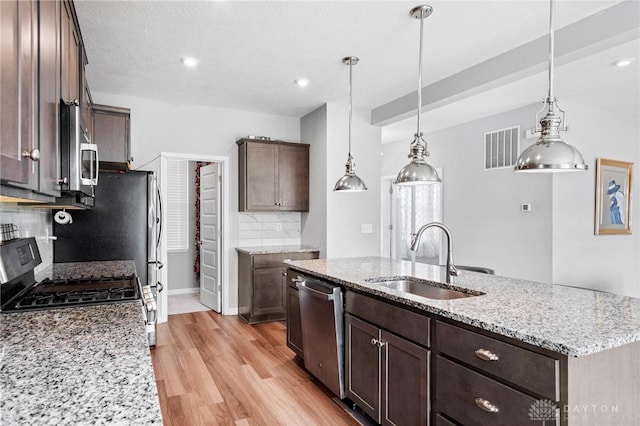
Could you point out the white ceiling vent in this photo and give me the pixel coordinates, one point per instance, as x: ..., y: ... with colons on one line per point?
x: 501, y: 148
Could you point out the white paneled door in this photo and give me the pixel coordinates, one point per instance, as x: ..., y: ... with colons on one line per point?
x: 210, y: 237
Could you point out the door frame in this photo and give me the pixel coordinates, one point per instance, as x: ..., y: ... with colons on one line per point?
x: 163, y: 300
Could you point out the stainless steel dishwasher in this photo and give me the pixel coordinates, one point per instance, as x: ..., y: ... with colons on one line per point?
x: 322, y: 318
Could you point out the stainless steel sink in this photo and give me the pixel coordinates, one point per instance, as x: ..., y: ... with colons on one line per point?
x: 425, y: 288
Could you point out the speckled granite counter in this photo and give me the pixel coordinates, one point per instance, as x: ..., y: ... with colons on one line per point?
x: 566, y: 320
x: 276, y: 249
x: 111, y: 268
x: 77, y: 366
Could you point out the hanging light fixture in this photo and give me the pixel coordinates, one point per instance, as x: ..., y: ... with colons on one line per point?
x: 418, y: 171
x: 550, y: 153
x: 350, y: 182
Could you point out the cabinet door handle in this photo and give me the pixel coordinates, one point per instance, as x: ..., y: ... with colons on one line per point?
x: 33, y: 154
x: 487, y: 406
x: 486, y: 355
x: 381, y: 343
x: 374, y: 342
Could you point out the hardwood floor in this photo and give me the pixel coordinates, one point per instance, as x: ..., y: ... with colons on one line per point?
x: 212, y: 369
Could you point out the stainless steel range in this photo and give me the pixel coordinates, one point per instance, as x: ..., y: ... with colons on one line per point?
x: 20, y: 292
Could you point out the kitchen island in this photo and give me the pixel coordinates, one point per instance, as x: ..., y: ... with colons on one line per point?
x: 491, y: 358
x: 77, y: 366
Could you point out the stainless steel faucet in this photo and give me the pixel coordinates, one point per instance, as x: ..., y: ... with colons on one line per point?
x: 451, y: 268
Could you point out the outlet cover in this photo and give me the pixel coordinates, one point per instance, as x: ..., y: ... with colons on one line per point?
x: 366, y: 228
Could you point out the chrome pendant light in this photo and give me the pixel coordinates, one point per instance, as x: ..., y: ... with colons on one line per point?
x: 418, y: 172
x: 350, y: 182
x: 550, y: 153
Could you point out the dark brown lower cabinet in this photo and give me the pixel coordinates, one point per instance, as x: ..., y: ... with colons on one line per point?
x: 262, y: 284
x: 387, y: 376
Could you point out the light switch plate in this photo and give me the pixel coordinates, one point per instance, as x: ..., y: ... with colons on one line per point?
x: 366, y: 228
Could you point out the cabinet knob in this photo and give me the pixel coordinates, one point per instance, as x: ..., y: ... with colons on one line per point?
x: 63, y: 181
x: 486, y: 355
x: 374, y: 342
x: 487, y: 406
x: 33, y: 155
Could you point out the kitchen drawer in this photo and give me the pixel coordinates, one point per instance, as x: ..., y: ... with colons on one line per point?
x: 530, y: 370
x: 276, y: 259
x: 407, y: 324
x: 459, y: 390
x: 443, y: 421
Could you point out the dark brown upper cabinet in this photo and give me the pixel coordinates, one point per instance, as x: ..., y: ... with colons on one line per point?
x: 112, y: 134
x: 274, y: 176
x: 19, y: 100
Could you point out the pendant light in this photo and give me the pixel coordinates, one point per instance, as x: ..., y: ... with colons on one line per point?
x: 350, y: 182
x: 418, y: 171
x: 550, y: 153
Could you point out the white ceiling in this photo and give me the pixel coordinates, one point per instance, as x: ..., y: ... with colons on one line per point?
x: 251, y: 52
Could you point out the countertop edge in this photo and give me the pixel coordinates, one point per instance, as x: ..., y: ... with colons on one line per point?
x: 561, y: 348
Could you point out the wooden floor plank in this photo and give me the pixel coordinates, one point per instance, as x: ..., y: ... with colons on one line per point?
x: 218, y: 370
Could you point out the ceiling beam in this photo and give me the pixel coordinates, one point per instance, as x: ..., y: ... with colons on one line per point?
x: 610, y: 27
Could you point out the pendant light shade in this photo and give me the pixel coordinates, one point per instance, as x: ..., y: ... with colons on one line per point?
x: 350, y: 182
x: 418, y: 171
x: 550, y: 153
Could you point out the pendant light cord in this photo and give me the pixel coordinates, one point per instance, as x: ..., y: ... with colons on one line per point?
x: 420, y: 74
x: 551, y: 55
x: 350, y: 101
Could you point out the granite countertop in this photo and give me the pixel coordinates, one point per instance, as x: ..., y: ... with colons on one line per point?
x: 276, y: 249
x: 567, y: 320
x: 77, y: 366
x: 78, y: 270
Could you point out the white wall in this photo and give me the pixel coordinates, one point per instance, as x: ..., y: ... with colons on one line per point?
x: 482, y: 208
x: 604, y: 262
x: 158, y: 126
x: 334, y: 219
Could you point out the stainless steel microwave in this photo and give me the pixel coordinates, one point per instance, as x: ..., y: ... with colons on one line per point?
x: 79, y: 157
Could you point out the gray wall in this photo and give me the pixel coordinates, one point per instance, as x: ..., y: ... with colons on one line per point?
x: 181, y: 275
x: 313, y: 130
x: 482, y: 208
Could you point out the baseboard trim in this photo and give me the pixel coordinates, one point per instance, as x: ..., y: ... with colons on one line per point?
x: 179, y: 291
x: 231, y: 311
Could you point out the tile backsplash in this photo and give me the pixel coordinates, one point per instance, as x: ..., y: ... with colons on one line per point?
x: 32, y: 223
x: 269, y: 228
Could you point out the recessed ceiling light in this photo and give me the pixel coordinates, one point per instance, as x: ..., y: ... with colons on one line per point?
x: 189, y: 62
x: 623, y: 62
x: 302, y: 82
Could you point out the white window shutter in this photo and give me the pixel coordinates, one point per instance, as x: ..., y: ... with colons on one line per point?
x: 177, y: 205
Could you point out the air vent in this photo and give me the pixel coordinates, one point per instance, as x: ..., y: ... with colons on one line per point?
x: 501, y: 148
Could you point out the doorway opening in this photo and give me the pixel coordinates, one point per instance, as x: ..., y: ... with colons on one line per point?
x: 208, y: 177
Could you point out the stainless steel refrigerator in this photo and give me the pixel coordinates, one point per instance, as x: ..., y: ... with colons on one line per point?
x: 124, y: 224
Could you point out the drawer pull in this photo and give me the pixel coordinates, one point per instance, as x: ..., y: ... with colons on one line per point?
x: 487, y: 406
x: 486, y: 355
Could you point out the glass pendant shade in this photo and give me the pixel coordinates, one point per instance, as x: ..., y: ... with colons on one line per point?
x: 550, y: 153
x: 350, y: 182
x: 418, y: 171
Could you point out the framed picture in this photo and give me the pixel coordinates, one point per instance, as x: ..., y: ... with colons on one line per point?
x: 614, y: 185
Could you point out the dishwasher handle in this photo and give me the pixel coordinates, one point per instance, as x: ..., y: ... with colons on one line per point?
x: 301, y: 284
